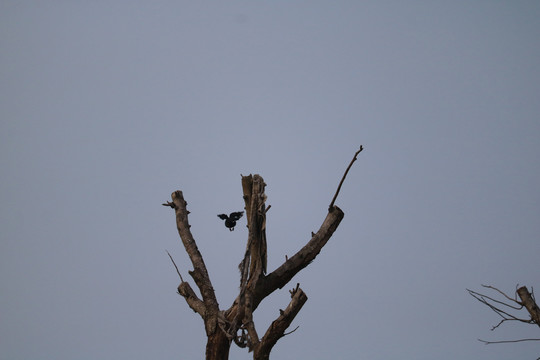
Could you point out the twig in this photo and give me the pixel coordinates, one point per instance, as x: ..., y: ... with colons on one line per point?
x: 175, y: 266
x: 488, y: 301
x: 503, y: 314
x: 506, y: 341
x: 343, y: 178
x: 494, y: 288
x: 473, y: 293
x: 290, y: 332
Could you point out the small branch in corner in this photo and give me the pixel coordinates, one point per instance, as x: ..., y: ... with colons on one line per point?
x: 343, y: 178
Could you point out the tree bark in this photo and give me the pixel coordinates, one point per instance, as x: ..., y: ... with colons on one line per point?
x: 284, y: 273
x: 218, y: 346
x: 223, y: 327
x: 277, y: 329
x: 529, y: 303
x: 503, y: 309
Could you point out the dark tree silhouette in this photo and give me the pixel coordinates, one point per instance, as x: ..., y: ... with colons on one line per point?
x: 235, y: 324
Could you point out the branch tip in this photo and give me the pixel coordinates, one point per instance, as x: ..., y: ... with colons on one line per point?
x: 331, y: 206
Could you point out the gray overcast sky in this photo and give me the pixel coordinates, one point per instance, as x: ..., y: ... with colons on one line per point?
x: 108, y: 107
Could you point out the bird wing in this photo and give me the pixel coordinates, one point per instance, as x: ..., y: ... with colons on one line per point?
x: 236, y: 215
x: 223, y: 216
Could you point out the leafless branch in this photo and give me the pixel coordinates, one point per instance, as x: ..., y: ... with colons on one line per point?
x: 527, y: 301
x: 284, y: 273
x: 170, y: 204
x: 482, y: 298
x: 343, y: 178
x: 276, y: 330
x: 192, y: 299
x: 505, y: 315
x: 499, y: 291
x: 506, y: 341
x: 290, y: 332
x: 199, y: 273
x: 178, y: 271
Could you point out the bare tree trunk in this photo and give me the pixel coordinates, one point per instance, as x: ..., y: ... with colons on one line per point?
x: 236, y: 323
x: 218, y: 346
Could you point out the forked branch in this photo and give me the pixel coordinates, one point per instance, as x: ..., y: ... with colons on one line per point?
x: 276, y: 330
x: 236, y: 323
x: 199, y: 273
x: 527, y: 301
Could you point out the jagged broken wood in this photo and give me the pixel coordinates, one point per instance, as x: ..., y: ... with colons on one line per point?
x: 527, y: 300
x: 236, y: 323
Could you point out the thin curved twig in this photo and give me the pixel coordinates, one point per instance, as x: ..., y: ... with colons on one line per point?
x: 178, y: 271
x: 506, y: 341
x: 499, y: 291
x: 290, y: 332
x: 343, y: 178
x: 473, y: 293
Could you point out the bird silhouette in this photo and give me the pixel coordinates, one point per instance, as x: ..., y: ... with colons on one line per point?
x: 230, y: 221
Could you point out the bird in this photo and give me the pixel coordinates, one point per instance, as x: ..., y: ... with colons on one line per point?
x: 230, y: 221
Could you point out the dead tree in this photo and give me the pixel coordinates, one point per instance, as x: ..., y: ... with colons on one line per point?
x: 505, y: 308
x: 235, y: 324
